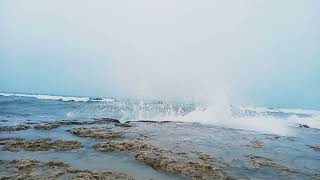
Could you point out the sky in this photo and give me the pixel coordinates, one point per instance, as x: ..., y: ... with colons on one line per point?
x: 257, y: 52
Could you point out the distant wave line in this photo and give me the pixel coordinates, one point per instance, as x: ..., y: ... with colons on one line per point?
x: 58, y: 98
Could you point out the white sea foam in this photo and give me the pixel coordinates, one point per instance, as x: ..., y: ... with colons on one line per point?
x: 48, y: 97
x: 280, y: 110
x: 259, y: 122
x: 221, y: 115
x: 312, y: 121
x: 60, y: 98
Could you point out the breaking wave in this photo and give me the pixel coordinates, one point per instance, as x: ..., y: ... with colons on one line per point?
x: 277, y: 121
x: 266, y: 120
x: 59, y: 98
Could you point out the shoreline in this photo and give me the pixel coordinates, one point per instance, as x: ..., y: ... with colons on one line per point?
x: 140, y: 145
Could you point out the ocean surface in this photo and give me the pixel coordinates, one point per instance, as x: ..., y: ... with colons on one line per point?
x: 221, y: 131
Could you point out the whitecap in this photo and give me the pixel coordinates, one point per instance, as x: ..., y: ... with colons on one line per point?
x: 49, y: 97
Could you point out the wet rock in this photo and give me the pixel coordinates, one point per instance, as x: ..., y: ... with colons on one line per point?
x: 98, y: 133
x: 256, y: 144
x: 96, y: 99
x: 105, y: 120
x: 24, y: 163
x: 315, y: 147
x: 259, y: 162
x: 125, y: 125
x: 16, y: 144
x: 14, y: 128
x: 149, y: 121
x: 165, y: 160
x: 36, y: 170
x: 205, y: 157
x: 31, y: 123
x: 131, y: 145
x: 93, y: 175
x: 303, y: 126
x: 55, y: 124
x: 4, y: 141
x: 273, y: 137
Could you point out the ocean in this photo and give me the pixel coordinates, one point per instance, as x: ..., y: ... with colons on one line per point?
x: 233, y: 135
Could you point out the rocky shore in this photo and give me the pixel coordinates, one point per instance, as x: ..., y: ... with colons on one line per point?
x: 17, y: 144
x: 37, y: 170
x: 98, y: 133
x: 161, y: 159
x: 131, y: 139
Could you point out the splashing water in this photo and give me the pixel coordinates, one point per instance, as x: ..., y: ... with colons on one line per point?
x: 262, y: 120
x: 277, y: 121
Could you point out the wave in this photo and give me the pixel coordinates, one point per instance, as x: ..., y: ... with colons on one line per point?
x: 262, y: 120
x: 59, y: 98
x: 278, y: 121
x: 281, y: 110
x: 312, y: 121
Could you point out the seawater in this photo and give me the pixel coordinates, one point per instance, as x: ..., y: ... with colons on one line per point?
x: 223, y: 134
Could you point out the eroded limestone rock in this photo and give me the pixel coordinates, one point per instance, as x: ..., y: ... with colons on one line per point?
x: 124, y: 125
x: 104, y: 121
x: 97, y: 133
x: 14, y: 128
x: 16, y: 144
x: 161, y: 159
x: 259, y: 162
x: 256, y: 144
x: 24, y: 163
x: 52, y: 170
x: 55, y: 124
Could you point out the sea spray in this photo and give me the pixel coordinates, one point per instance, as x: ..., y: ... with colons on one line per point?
x: 219, y: 113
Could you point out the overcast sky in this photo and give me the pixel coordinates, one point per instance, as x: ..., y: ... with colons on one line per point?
x: 259, y: 52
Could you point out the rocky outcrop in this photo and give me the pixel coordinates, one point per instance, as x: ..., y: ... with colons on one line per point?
x: 97, y: 133
x: 14, y: 128
x: 303, y: 126
x: 256, y: 144
x: 16, y: 144
x: 104, y: 121
x: 153, y: 122
x: 259, y: 162
x: 54, y: 124
x: 315, y: 147
x: 36, y: 170
x: 165, y: 160
x: 124, y: 125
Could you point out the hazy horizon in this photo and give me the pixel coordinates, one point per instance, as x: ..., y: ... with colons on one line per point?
x: 263, y: 53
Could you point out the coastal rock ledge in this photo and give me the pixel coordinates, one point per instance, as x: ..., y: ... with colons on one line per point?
x: 17, y: 144
x: 37, y: 170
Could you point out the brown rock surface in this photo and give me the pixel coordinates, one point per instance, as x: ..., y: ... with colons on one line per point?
x: 16, y: 144
x: 14, y: 128
x: 161, y: 159
x: 256, y: 144
x: 97, y: 133
x: 259, y: 162
x: 36, y: 170
x: 54, y: 124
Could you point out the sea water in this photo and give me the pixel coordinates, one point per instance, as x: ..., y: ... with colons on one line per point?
x: 223, y: 133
